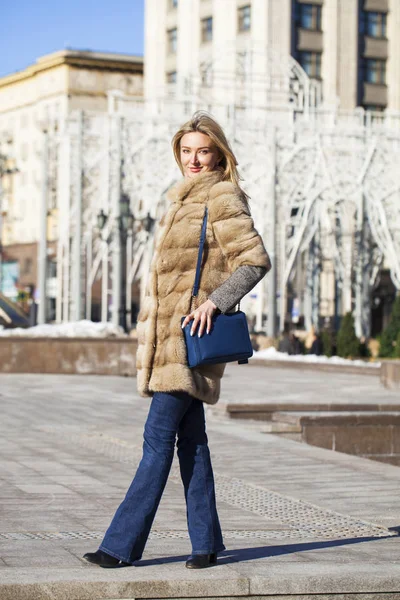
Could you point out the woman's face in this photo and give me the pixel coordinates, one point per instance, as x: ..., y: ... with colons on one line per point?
x: 198, y: 154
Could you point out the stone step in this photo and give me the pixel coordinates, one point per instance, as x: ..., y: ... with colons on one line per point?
x: 281, y: 427
x: 265, y: 411
x: 373, y: 435
x: 368, y: 368
x: 370, y: 430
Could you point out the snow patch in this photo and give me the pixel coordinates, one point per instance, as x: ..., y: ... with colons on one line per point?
x: 273, y: 354
x: 84, y: 329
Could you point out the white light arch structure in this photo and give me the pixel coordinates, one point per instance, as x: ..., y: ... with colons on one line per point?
x: 324, y: 186
x: 247, y: 76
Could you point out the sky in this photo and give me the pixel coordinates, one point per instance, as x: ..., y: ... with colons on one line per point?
x: 32, y: 28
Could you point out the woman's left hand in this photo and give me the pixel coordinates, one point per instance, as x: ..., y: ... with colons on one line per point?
x: 203, y: 315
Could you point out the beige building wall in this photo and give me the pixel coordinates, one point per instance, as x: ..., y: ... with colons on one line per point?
x: 347, y: 56
x: 155, y: 47
x: 186, y: 18
x: 270, y: 29
x: 48, y: 91
x: 279, y: 26
x: 330, y: 60
x: 344, y: 47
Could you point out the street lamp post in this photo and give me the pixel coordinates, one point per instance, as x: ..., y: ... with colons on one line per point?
x: 125, y: 224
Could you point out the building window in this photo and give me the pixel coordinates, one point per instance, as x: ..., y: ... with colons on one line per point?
x: 52, y: 269
x: 374, y: 108
x: 373, y: 24
x: 171, y: 77
x: 172, y: 38
x: 173, y: 3
x: 311, y: 63
x: 309, y: 16
x: 206, y: 29
x: 375, y: 71
x: 244, y: 18
x: 27, y: 266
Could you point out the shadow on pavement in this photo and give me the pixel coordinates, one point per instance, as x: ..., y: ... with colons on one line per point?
x: 243, y: 554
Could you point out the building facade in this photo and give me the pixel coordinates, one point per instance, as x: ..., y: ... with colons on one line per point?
x: 37, y: 99
x: 77, y: 139
x: 352, y: 48
x: 272, y: 64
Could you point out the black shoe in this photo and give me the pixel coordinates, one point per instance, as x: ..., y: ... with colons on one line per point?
x: 102, y: 559
x: 201, y: 561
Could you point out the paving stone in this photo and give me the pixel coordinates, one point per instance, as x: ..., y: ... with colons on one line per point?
x: 152, y: 581
x: 323, y: 578
x: 44, y: 489
x: 41, y: 561
x: 287, y: 509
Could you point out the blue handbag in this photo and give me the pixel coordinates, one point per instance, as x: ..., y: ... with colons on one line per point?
x: 229, y: 338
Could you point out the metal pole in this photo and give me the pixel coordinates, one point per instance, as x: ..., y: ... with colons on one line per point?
x: 312, y: 291
x: 271, y: 324
x: 366, y: 295
x: 362, y: 319
x: 104, y: 280
x: 316, y: 275
x: 62, y: 196
x: 283, y: 297
x: 122, y: 307
x: 60, y: 267
x: 129, y: 252
x: 65, y: 220
x: 115, y: 210
x: 106, y: 206
x: 308, y: 288
x: 338, y: 282
x: 359, y: 266
x: 77, y: 253
x: 89, y: 258
x: 347, y: 260
x: 259, y: 306
x: 42, y: 248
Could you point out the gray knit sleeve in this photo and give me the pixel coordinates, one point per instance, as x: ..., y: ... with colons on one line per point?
x: 227, y: 295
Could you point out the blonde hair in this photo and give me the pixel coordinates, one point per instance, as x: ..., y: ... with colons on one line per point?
x: 204, y: 123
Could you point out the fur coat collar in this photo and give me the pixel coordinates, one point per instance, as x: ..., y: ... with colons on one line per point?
x: 192, y: 189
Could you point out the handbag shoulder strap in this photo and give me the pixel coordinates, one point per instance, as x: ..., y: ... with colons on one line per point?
x: 195, y: 290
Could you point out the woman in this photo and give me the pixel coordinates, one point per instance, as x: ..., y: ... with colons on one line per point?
x: 235, y: 260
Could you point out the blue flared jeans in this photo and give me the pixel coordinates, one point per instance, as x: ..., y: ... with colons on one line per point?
x: 175, y: 415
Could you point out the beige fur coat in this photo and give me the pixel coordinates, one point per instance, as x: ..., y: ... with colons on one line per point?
x: 231, y: 242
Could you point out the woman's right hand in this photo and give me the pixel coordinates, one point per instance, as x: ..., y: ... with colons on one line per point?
x: 202, y: 316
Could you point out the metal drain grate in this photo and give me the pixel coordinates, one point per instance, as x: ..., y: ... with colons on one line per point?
x: 308, y: 520
x: 155, y: 535
x: 22, y: 536
x: 303, y: 520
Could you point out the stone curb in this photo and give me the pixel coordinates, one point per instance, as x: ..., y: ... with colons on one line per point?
x: 305, y: 581
x: 324, y: 367
x: 236, y: 409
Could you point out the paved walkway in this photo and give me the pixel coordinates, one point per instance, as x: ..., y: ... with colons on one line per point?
x: 299, y: 522
x: 265, y: 384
